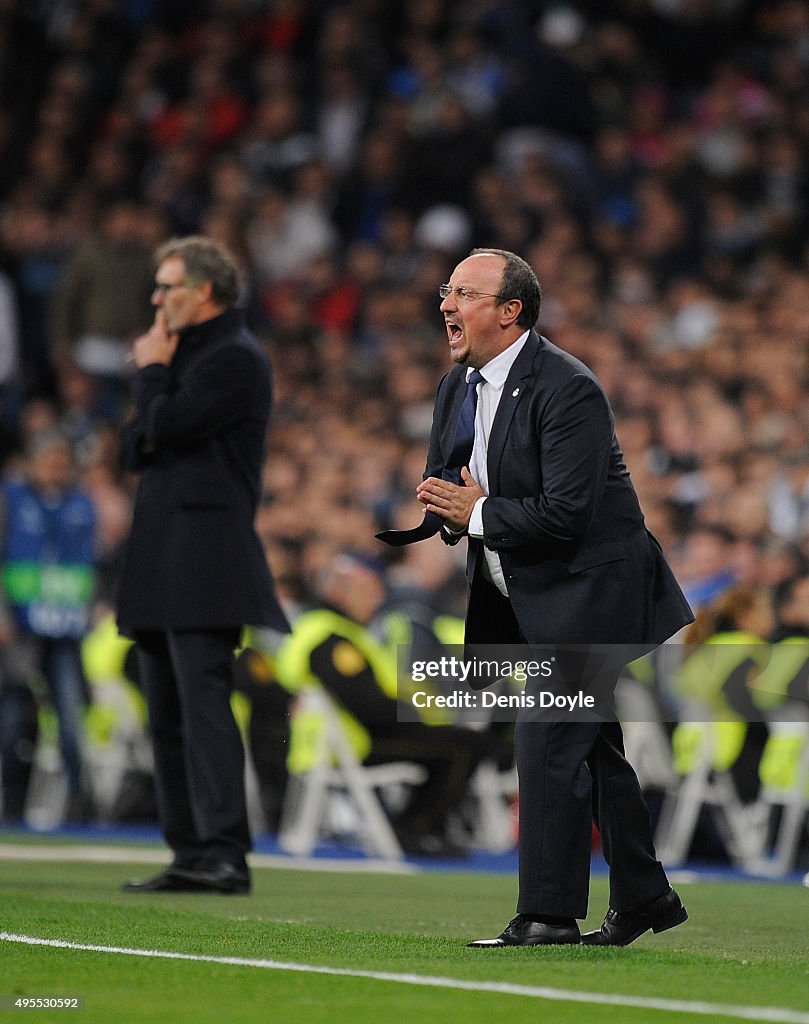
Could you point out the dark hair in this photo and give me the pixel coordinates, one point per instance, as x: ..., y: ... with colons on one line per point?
x: 722, y: 614
x: 205, y: 260
x: 519, y: 282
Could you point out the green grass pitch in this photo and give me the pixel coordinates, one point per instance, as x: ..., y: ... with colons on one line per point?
x: 746, y: 945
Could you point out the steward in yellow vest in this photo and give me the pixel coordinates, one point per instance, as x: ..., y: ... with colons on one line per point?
x: 729, y: 650
x: 784, y: 684
x: 336, y: 647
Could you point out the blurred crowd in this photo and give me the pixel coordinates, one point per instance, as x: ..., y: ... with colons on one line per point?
x: 649, y: 158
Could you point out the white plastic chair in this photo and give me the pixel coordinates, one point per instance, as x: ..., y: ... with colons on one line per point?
x: 337, y: 768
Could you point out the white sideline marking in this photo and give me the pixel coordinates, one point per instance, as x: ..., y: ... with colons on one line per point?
x: 103, y: 854
x: 780, y: 1015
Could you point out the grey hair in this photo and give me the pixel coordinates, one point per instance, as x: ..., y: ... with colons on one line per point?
x: 205, y: 260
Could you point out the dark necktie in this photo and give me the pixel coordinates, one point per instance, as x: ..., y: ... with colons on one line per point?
x: 458, y: 457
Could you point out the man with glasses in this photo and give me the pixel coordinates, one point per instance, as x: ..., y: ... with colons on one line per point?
x: 195, y: 572
x: 558, y: 555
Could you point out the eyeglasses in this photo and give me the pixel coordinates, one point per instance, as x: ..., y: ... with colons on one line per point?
x: 164, y: 288
x: 465, y: 294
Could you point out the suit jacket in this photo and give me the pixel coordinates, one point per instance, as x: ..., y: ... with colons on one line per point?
x: 193, y: 559
x: 562, y: 513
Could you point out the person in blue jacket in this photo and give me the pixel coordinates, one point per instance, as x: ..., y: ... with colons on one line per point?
x: 48, y: 555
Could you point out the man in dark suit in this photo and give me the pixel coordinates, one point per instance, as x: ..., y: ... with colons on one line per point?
x: 558, y: 554
x: 195, y: 571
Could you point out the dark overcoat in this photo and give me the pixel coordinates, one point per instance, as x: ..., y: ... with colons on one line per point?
x: 197, y: 437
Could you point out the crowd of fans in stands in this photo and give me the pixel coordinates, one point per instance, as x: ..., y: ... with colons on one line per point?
x: 650, y: 160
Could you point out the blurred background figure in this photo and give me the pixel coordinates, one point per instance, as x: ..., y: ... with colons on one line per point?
x: 48, y: 546
x: 355, y: 644
x: 729, y: 639
x: 102, y: 302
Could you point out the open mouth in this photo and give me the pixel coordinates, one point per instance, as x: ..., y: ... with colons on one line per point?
x: 455, y: 332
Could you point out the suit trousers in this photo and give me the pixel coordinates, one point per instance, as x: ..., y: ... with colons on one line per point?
x: 187, y: 677
x: 572, y: 774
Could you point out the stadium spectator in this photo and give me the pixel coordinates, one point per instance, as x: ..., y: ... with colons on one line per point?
x: 101, y: 302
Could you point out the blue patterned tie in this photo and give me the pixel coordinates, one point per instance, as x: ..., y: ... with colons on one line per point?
x: 459, y: 456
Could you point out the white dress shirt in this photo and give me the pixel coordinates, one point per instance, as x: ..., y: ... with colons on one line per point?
x: 490, y: 390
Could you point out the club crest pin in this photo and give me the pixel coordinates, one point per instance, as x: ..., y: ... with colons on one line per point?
x: 515, y: 392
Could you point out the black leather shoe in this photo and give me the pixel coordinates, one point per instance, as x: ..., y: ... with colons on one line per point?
x: 667, y: 911
x: 522, y: 932
x: 224, y: 877
x: 166, y: 881
x: 429, y: 844
x: 221, y: 876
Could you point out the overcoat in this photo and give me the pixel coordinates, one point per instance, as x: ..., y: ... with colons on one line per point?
x: 197, y: 437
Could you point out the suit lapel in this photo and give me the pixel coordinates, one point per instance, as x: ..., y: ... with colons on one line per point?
x: 518, y: 383
x: 450, y: 418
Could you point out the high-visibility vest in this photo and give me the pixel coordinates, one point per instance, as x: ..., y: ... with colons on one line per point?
x: 702, y: 677
x: 294, y: 669
x: 772, y: 685
x: 397, y: 629
x: 115, y: 698
x: 785, y: 672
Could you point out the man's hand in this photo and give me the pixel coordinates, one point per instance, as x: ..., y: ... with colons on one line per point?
x: 156, y: 345
x: 453, y: 503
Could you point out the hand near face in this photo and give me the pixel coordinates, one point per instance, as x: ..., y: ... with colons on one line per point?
x: 157, y: 345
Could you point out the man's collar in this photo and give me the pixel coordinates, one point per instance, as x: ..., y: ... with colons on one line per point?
x: 227, y: 320
x: 497, y: 370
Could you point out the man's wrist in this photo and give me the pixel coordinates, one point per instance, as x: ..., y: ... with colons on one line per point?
x: 475, y: 527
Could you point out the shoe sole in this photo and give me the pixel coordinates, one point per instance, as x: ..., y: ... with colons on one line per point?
x: 192, y: 890
x: 224, y: 890
x: 196, y: 884
x: 181, y: 885
x: 499, y: 944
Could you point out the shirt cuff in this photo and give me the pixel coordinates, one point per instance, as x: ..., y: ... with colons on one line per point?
x: 476, y: 519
